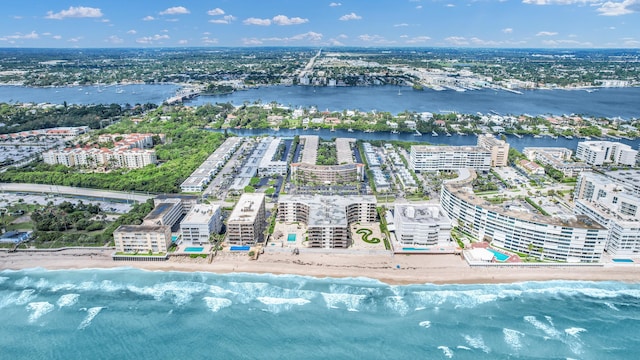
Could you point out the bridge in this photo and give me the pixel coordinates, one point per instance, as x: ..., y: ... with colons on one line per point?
x: 182, y: 95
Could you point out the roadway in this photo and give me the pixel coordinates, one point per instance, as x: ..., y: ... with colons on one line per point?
x: 75, y: 191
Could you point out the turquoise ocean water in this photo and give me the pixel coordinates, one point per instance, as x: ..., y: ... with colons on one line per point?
x: 133, y: 314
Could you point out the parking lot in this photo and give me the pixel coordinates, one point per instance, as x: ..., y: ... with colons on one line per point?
x: 9, y: 198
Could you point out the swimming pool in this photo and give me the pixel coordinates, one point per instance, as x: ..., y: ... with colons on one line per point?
x: 414, y: 249
x: 622, y: 260
x: 498, y: 255
x: 194, y: 249
x: 291, y: 237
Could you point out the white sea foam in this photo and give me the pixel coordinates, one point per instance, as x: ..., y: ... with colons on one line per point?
x: 446, y: 351
x: 549, y: 330
x: 461, y: 347
x: 513, y: 338
x: 419, y: 308
x: 3, y: 279
x: 38, y: 309
x: 217, y: 290
x: 179, y: 292
x: 477, y: 342
x: 574, y: 331
x: 549, y: 320
x: 280, y: 301
x: 215, y: 304
x: 91, y: 313
x: 352, y: 302
x: 67, y: 300
x: 24, y: 282
x: 63, y: 286
x: 611, y: 306
x: 460, y: 299
x: 425, y: 324
x: 397, y: 304
x: 25, y: 296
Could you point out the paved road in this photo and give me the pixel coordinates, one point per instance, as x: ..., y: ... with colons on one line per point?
x: 68, y: 190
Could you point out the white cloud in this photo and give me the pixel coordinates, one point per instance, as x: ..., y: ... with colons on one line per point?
x: 148, y: 18
x: 418, y: 40
x: 352, y: 16
x: 507, y: 30
x: 614, y: 8
x: 132, y: 32
x: 215, y: 12
x: 457, y: 40
x: 75, y: 39
x: 450, y: 5
x: 335, y: 42
x: 631, y: 43
x: 419, y: 7
x: 334, y: 4
x: 342, y: 36
x: 183, y: 42
x: 308, y: 36
x: 284, y: 20
x: 20, y: 36
x: 209, y: 41
x: 547, y: 33
x: 17, y: 17
x: 558, y: 2
x: 566, y: 43
x: 114, y: 39
x: 376, y: 39
x: 251, y: 41
x: 256, y: 21
x: 227, y: 19
x: 401, y: 25
x: 57, y: 37
x: 152, y: 39
x: 75, y: 12
x: 176, y: 10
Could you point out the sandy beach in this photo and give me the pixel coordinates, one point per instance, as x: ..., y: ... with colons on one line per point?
x: 398, y: 269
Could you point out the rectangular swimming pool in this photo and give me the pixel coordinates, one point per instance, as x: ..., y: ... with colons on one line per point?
x: 291, y: 237
x: 414, y: 249
x: 194, y: 249
x: 622, y: 260
x: 498, y: 255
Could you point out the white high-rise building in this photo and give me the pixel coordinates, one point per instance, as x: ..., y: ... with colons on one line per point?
x: 421, y: 225
x: 435, y: 158
x: 199, y: 223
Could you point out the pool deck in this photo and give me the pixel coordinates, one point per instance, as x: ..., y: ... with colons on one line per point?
x: 206, y: 249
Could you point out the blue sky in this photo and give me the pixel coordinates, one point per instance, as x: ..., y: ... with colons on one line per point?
x: 396, y: 23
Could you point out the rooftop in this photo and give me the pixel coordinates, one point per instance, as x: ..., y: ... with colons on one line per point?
x: 461, y: 187
x: 328, y: 210
x: 247, y: 208
x: 200, y: 213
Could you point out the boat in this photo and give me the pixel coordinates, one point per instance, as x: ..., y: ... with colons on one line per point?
x: 394, y: 131
x: 448, y: 134
x: 399, y: 93
x: 517, y: 135
x: 417, y: 133
x: 119, y: 91
x: 568, y: 137
x: 350, y: 130
x: 434, y: 133
x: 537, y: 136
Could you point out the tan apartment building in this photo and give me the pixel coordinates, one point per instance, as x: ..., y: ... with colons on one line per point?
x: 246, y: 224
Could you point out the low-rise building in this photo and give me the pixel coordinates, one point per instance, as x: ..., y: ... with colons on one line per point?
x: 268, y: 164
x: 327, y: 174
x: 598, y: 153
x: 421, y: 225
x: 142, y: 238
x: 246, y: 224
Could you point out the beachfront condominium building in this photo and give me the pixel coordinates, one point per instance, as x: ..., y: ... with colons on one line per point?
x: 328, y: 218
x: 306, y: 171
x: 598, y: 153
x: 166, y: 212
x: 199, y: 223
x: 613, y: 204
x: 499, y: 149
x: 246, y: 224
x: 421, y: 225
x: 572, y: 238
x: 437, y: 158
x: 142, y: 238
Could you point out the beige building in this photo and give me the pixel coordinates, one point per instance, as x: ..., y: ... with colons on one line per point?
x: 142, y: 238
x: 328, y: 218
x: 246, y: 224
x: 327, y: 174
x: 499, y: 149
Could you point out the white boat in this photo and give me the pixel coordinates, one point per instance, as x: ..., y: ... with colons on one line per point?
x: 350, y: 130
x: 399, y: 93
x: 434, y: 133
x: 417, y: 133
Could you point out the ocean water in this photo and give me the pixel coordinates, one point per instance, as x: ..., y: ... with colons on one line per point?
x: 132, y: 314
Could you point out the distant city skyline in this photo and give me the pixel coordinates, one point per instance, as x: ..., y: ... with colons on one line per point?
x: 372, y: 23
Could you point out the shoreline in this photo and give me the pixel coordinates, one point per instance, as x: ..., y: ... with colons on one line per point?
x: 392, y: 270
